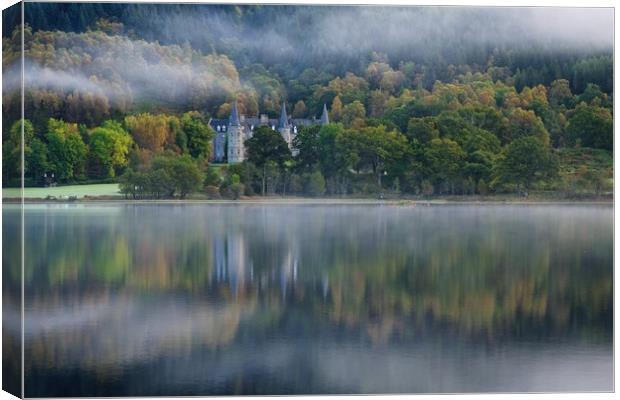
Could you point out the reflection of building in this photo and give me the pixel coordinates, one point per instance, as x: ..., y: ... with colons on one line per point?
x: 288, y: 271
x: 231, y: 133
x: 234, y: 266
x: 230, y: 260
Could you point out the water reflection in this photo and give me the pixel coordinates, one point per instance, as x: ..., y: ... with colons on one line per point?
x: 195, y: 299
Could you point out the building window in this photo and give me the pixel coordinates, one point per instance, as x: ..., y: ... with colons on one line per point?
x: 218, y: 128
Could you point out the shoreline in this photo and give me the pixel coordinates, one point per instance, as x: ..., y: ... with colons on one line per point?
x: 318, y: 201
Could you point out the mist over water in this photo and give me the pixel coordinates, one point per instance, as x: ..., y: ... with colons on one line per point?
x: 275, y: 299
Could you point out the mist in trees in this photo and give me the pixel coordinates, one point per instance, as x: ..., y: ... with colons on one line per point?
x: 108, y: 91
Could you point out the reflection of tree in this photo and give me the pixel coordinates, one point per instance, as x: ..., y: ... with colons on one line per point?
x: 11, y: 299
x: 89, y: 334
x: 391, y: 272
x: 501, y: 275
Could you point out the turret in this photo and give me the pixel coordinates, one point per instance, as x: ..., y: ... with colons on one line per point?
x: 236, y: 149
x: 234, y: 116
x: 283, y: 121
x: 283, y: 126
x: 324, y: 116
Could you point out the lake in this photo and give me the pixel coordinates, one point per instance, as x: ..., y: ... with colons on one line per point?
x: 197, y: 299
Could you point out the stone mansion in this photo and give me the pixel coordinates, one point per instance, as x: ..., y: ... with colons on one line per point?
x: 231, y: 133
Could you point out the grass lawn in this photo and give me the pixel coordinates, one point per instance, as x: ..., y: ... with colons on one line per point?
x: 104, y: 189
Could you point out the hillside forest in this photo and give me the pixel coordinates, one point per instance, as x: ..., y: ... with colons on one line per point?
x: 124, y: 93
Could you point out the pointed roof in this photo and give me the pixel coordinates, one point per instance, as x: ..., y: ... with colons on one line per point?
x: 324, y: 116
x: 234, y: 115
x: 283, y: 121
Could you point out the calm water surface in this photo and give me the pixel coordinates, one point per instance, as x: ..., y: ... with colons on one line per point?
x: 275, y: 299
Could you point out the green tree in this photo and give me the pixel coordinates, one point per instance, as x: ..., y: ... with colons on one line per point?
x: 66, y: 150
x: 525, y: 161
x: 300, y: 109
x: 591, y: 126
x: 184, y: 173
x: 198, y: 133
x: 109, y: 146
x: 267, y: 145
x: 314, y: 183
x: 167, y: 175
x: 560, y: 93
x: 332, y: 157
x: 11, y: 149
x: 36, y: 160
x: 482, y: 148
x: 236, y: 187
x: 336, y: 109
x: 422, y: 129
x: 212, y: 177
x: 353, y: 114
x: 443, y: 159
x: 593, y: 95
x: 128, y: 183
x: 374, y: 147
x: 306, y: 142
x: 523, y: 123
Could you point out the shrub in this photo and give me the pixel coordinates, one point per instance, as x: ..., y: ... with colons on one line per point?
x: 236, y: 190
x: 213, y: 192
x: 427, y: 188
x: 315, y: 184
x: 295, y: 184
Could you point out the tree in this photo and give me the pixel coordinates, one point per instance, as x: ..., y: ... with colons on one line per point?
x: 526, y: 160
x: 267, y: 145
x: 127, y: 183
x: 66, y: 150
x: 300, y: 109
x: 560, y: 93
x: 109, y: 146
x: 306, y: 142
x: 443, y: 159
x: 353, y: 114
x: 422, y: 129
x: 12, y: 146
x: 149, y: 131
x: 198, y: 133
x: 36, y: 160
x: 314, y: 183
x: 593, y: 95
x: 332, y: 156
x: 183, y: 171
x: 591, y: 126
x: 167, y: 175
x: 373, y: 147
x: 336, y: 110
x: 481, y: 147
x: 487, y: 118
x: 223, y: 111
x: 376, y: 103
x: 236, y: 187
x: 523, y: 123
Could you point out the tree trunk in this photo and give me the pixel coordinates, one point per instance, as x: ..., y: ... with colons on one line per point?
x: 264, y: 173
x: 527, y: 189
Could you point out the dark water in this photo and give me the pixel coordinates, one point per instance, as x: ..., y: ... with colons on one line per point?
x: 273, y: 299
